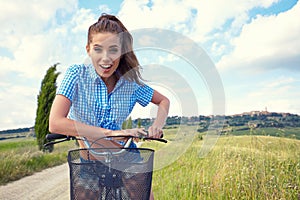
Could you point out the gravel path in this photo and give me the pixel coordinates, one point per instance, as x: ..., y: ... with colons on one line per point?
x: 52, y: 183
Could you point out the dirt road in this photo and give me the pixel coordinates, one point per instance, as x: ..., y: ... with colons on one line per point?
x: 49, y: 184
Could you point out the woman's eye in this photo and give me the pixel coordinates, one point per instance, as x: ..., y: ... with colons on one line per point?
x: 97, y: 49
x: 114, y: 50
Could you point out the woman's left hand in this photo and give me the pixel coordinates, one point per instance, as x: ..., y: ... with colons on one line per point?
x: 155, y: 132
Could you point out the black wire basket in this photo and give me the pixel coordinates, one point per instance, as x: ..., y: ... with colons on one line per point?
x: 110, y: 173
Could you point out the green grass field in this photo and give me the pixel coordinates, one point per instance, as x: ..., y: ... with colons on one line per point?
x: 238, y: 167
x: 21, y: 157
x: 287, y: 132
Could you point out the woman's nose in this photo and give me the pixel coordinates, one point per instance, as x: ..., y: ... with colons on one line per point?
x: 105, y: 56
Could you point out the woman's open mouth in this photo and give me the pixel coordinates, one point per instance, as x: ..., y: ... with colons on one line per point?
x: 105, y: 66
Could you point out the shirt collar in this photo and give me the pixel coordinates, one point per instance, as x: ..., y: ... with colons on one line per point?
x: 93, y: 72
x: 95, y: 77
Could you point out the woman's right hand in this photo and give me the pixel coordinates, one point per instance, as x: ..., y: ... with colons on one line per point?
x: 136, y: 132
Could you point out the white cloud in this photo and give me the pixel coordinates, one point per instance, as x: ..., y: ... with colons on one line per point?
x: 267, y: 43
x: 218, y: 49
x: 169, y: 14
x: 212, y: 15
x: 19, y: 18
x: 104, y: 9
x: 35, y: 41
x: 33, y: 51
x: 197, y: 19
x: 277, y: 93
x: 168, y: 58
x: 84, y: 18
x: 18, y: 106
x: 280, y: 82
x: 31, y: 34
x: 34, y: 55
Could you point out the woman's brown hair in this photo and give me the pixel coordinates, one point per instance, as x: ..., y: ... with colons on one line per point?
x: 129, y: 65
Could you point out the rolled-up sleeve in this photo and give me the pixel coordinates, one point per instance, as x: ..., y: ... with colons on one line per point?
x: 144, y: 95
x: 68, y: 84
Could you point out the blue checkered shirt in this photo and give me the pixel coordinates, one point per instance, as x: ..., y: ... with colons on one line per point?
x: 92, y: 105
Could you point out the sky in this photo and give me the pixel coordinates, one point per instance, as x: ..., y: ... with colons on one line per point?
x: 228, y: 57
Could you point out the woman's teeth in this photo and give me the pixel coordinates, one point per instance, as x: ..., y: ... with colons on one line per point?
x: 105, y: 66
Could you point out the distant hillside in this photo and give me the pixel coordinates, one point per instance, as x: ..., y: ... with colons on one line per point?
x: 17, y: 133
x: 251, y: 119
x: 19, y: 130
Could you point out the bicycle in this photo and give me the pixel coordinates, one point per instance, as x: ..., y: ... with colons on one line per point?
x: 117, y: 173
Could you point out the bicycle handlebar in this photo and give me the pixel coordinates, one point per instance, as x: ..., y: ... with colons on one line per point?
x: 54, y: 136
x: 137, y: 137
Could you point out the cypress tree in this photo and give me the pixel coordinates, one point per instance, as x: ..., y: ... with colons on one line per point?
x: 127, y: 124
x: 45, y: 99
x: 139, y: 123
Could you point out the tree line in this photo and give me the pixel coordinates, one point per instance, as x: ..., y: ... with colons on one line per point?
x: 18, y: 130
x: 273, y: 119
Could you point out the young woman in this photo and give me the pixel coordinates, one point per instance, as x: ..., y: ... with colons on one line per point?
x: 94, y: 99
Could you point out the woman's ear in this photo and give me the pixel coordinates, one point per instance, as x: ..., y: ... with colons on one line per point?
x: 87, y: 47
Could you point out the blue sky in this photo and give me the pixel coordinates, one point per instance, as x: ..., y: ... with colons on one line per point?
x: 253, y: 46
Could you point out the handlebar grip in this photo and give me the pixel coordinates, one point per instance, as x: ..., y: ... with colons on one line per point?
x: 55, y: 136
x: 157, y: 139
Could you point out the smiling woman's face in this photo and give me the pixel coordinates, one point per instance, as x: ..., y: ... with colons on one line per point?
x: 105, y: 53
